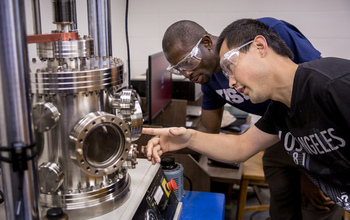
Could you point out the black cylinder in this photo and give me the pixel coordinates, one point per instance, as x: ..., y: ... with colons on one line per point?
x: 64, y: 11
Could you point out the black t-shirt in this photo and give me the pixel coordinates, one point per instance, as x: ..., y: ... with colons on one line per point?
x: 315, y: 130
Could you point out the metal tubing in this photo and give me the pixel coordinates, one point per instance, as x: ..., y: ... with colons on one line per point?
x: 109, y: 28
x: 100, y: 28
x: 20, y: 186
x: 36, y: 16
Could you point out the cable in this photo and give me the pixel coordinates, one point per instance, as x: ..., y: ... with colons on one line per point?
x: 189, y: 181
x: 19, y: 158
x: 127, y: 39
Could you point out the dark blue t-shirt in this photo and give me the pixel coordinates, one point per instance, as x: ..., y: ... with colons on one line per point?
x: 217, y: 92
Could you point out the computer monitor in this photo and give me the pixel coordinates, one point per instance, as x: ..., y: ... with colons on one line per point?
x: 158, y: 84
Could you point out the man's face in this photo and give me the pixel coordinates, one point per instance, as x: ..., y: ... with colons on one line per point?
x: 250, y: 73
x: 203, y: 72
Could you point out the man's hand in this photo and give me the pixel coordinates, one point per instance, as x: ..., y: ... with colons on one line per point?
x: 311, y: 193
x: 165, y: 140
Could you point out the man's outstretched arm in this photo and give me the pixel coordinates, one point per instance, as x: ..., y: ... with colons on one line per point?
x: 227, y: 148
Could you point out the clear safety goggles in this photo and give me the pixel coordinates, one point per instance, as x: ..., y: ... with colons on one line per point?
x: 189, y: 62
x: 231, y: 58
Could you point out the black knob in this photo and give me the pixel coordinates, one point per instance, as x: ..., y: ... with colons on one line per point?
x: 168, y: 163
x: 54, y: 213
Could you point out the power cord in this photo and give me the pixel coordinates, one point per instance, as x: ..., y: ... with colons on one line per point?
x: 189, y: 181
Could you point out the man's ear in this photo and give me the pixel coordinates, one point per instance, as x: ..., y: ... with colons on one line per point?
x: 261, y: 44
x: 208, y: 42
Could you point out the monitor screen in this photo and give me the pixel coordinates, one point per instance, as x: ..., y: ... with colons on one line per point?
x: 159, y: 85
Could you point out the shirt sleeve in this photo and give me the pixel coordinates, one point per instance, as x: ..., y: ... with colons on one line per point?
x: 300, y: 46
x: 337, y: 99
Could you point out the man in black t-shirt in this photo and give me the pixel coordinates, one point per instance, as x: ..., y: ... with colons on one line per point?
x: 309, y: 112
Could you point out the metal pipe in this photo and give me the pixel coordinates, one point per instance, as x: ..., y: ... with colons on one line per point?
x: 109, y: 28
x: 36, y: 16
x: 20, y: 183
x: 74, y: 14
x: 100, y: 29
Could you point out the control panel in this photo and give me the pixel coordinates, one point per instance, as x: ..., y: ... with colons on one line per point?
x: 159, y: 201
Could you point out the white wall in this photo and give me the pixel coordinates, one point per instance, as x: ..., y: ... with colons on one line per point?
x: 324, y: 22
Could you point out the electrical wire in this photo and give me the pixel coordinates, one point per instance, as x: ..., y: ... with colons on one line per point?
x: 127, y: 39
x: 189, y: 181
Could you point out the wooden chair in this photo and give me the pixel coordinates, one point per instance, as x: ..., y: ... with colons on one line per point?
x: 253, y: 174
x: 346, y: 215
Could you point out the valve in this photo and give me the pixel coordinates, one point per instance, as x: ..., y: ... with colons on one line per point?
x: 132, y: 157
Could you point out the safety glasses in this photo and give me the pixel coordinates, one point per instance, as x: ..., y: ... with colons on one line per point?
x: 231, y: 58
x: 189, y: 62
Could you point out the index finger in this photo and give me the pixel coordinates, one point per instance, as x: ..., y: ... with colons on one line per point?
x: 151, y: 131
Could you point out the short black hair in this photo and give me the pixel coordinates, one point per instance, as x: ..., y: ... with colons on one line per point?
x: 244, y: 30
x: 185, y: 31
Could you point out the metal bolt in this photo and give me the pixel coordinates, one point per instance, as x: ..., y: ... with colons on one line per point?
x: 80, y: 151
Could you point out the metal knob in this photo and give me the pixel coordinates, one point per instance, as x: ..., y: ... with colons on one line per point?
x: 50, y: 177
x: 45, y: 116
